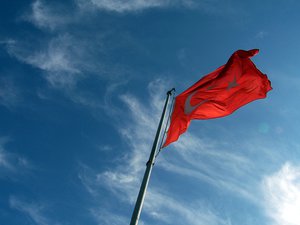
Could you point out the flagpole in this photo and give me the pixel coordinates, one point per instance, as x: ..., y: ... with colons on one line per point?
x: 140, y: 199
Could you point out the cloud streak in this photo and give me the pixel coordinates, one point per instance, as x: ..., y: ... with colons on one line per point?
x: 11, y: 163
x: 9, y: 93
x: 216, y: 7
x: 46, y: 16
x: 64, y: 53
x: 104, y: 217
x: 203, y: 159
x: 132, y: 5
x: 35, y: 211
x: 55, y: 58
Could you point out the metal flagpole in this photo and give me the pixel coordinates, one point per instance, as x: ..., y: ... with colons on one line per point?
x: 140, y: 199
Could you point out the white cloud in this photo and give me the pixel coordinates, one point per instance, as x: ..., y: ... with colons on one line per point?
x: 159, y: 205
x: 88, y: 178
x: 163, y: 207
x: 64, y: 61
x: 57, y: 58
x: 204, y: 158
x: 105, y: 148
x: 35, y: 211
x: 9, y: 93
x: 46, y: 16
x: 132, y: 5
x: 129, y: 6
x: 66, y: 55
x: 261, y: 34
x: 104, y: 217
x: 11, y: 163
x: 282, y: 195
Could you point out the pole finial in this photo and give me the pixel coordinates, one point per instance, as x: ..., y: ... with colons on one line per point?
x: 170, y: 92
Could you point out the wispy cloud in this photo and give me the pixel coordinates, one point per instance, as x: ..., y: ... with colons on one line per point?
x: 88, y: 178
x: 104, y: 217
x: 282, y: 195
x: 11, y: 163
x: 64, y: 62
x: 133, y: 5
x: 9, y: 93
x: 261, y: 34
x: 47, y: 16
x: 61, y: 55
x: 215, y: 163
x: 55, y: 58
x: 35, y: 211
x: 161, y: 206
x: 66, y: 56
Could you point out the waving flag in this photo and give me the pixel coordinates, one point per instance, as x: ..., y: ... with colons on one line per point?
x: 219, y: 93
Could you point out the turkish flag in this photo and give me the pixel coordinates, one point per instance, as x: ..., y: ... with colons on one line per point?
x: 219, y: 93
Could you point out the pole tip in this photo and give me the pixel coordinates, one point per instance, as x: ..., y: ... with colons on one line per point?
x: 170, y: 92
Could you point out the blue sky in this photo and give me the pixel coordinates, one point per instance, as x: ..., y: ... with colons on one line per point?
x: 82, y: 85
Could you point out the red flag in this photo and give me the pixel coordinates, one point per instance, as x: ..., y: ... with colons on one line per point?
x: 219, y: 93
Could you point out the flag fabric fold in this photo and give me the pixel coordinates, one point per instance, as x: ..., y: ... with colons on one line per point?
x: 219, y: 93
